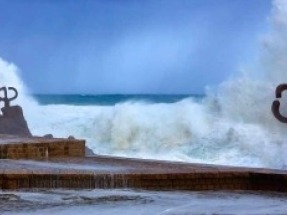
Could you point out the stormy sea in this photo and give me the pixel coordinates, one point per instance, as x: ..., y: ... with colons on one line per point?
x: 189, y: 128
x: 234, y: 127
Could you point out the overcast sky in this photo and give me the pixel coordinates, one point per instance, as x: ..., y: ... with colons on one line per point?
x: 130, y: 46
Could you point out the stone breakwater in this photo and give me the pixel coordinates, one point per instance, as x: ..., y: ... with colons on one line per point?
x: 61, y: 163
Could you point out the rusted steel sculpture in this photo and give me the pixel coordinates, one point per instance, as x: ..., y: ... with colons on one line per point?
x: 276, y: 104
x: 5, y: 99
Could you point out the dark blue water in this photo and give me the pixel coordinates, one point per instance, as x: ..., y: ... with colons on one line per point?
x: 109, y: 99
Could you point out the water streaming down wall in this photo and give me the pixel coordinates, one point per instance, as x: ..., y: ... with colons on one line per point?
x: 233, y: 125
x: 69, y: 179
x: 216, y: 179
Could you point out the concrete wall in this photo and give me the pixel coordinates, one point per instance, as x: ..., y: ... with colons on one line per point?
x: 43, y: 148
x: 182, y: 181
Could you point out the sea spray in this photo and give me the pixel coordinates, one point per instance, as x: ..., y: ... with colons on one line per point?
x: 274, y: 50
x: 233, y: 125
x: 10, y: 77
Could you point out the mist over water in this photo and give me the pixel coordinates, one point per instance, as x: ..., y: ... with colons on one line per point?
x: 232, y: 125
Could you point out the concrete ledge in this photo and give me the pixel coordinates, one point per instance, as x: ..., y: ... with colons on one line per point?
x: 110, y: 173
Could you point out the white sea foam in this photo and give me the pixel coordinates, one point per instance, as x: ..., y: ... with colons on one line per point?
x: 233, y: 125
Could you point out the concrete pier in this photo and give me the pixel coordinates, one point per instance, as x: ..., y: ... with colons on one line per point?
x: 65, y: 166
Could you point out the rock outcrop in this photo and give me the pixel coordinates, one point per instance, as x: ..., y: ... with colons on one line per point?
x: 88, y: 151
x: 12, y: 122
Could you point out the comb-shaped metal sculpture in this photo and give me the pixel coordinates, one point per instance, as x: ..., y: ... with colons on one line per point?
x: 276, y: 104
x: 5, y: 98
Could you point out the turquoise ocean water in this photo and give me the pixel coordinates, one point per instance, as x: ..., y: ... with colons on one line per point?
x: 74, y: 99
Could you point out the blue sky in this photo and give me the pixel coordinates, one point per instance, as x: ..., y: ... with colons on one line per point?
x: 130, y: 46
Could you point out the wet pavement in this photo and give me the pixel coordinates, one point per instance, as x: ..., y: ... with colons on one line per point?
x: 140, y: 202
